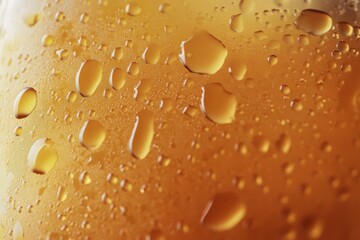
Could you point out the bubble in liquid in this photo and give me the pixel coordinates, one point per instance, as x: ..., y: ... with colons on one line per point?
x: 133, y: 9
x: 92, y: 134
x: 237, y: 69
x: 151, y: 54
x: 18, y: 231
x: 88, y: 77
x: 142, y: 134
x: 117, y: 78
x: 237, y: 23
x: 218, y: 104
x: 203, y: 53
x: 314, y: 227
x: 315, y: 22
x: 25, y: 102
x: 42, y: 156
x: 261, y: 143
x: 223, y: 213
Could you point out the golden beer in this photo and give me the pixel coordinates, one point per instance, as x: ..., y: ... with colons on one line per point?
x: 180, y: 120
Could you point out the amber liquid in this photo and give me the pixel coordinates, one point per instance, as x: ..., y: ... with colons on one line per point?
x: 175, y: 120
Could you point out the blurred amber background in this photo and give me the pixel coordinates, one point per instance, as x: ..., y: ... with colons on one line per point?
x: 273, y: 153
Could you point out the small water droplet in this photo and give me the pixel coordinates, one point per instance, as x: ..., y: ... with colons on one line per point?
x: 133, y: 9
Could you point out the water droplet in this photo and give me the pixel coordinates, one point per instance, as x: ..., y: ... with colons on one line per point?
x: 18, y: 231
x: 285, y: 89
x: 88, y: 77
x: 133, y: 69
x: 345, y: 28
x: 164, y: 8
x: 296, y: 105
x: 142, y: 89
x: 33, y: 19
x: 18, y: 131
x: 237, y: 69
x: 218, y: 104
x: 314, y: 227
x: 261, y: 143
x: 92, y: 134
x: 273, y: 60
x: 61, y: 194
x: 224, y: 212
x: 126, y: 186
x: 71, y: 96
x: 314, y: 22
x: 84, y: 18
x: 237, y: 23
x: 25, y: 102
x: 59, y: 16
x: 42, y: 156
x: 85, y: 178
x: 155, y: 234
x: 117, y: 78
x: 47, y: 40
x: 247, y: 6
x: 117, y: 54
x: 191, y: 111
x: 133, y: 9
x: 142, y: 134
x: 284, y: 143
x: 151, y: 54
x: 203, y: 53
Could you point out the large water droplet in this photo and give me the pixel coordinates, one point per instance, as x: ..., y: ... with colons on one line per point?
x: 25, y: 103
x: 218, y: 104
x: 224, y: 212
x: 203, y: 53
x: 314, y: 22
x: 142, y: 134
x: 237, y: 23
x: 42, y: 156
x: 88, y: 77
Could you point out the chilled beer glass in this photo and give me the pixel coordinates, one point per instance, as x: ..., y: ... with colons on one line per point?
x: 179, y: 120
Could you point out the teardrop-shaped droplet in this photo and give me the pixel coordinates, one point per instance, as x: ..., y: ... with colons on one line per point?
x: 142, y: 134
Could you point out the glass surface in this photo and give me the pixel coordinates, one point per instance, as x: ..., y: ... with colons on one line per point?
x: 181, y: 120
